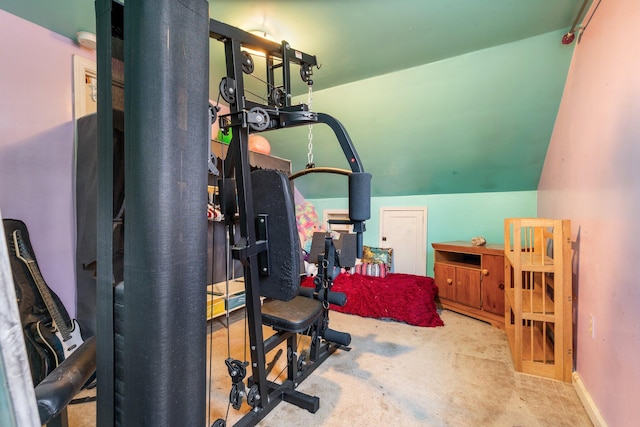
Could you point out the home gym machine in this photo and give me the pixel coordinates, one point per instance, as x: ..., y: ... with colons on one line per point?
x: 261, y: 202
x: 151, y: 272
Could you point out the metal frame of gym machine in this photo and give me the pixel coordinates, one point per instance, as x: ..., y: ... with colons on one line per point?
x: 279, y: 113
x: 160, y: 361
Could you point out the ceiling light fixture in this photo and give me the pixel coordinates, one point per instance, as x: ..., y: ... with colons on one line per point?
x: 263, y: 34
x: 86, y: 39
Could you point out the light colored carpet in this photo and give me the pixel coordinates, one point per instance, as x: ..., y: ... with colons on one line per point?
x: 401, y: 375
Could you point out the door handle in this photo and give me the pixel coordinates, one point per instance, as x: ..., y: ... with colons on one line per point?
x: 384, y: 239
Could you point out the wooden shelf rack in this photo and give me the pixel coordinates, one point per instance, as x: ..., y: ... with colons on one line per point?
x: 538, y: 297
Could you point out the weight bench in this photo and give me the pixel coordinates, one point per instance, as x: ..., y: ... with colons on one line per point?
x: 286, y: 309
x: 301, y: 315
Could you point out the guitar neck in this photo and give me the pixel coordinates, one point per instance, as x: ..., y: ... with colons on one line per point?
x: 56, y: 316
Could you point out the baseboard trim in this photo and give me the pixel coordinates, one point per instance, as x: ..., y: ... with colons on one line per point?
x: 587, y: 402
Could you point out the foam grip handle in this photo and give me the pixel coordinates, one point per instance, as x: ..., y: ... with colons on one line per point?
x: 359, y: 196
x: 341, y: 338
x: 337, y: 298
x: 305, y: 292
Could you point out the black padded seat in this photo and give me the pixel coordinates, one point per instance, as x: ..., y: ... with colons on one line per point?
x: 294, y: 315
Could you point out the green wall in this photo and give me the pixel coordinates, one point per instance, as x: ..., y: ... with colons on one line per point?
x: 449, y: 216
x: 475, y: 123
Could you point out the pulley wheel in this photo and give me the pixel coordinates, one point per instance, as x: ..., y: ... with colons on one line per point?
x: 219, y: 423
x: 305, y: 72
x: 253, y: 397
x: 260, y: 119
x: 213, y: 112
x: 277, y: 97
x: 235, y: 395
x: 228, y: 90
x: 247, y: 62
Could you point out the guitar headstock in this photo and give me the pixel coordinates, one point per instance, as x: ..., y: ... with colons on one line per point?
x: 21, y: 248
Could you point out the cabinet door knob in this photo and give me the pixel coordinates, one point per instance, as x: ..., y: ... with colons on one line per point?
x: 449, y: 281
x: 485, y: 271
x: 501, y: 286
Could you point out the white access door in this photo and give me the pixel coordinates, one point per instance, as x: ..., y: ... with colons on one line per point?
x: 405, y: 231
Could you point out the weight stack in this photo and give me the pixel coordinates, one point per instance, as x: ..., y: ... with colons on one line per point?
x: 166, y: 63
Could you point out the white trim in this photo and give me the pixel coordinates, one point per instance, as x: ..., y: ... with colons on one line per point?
x: 326, y: 213
x: 82, y: 67
x: 587, y: 402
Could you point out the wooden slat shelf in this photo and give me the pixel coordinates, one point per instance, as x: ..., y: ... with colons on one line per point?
x: 528, y: 308
x: 534, y: 302
x: 538, y: 301
x: 235, y: 286
x: 535, y: 348
x: 533, y: 262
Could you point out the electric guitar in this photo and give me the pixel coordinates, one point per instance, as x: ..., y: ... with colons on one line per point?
x: 60, y: 339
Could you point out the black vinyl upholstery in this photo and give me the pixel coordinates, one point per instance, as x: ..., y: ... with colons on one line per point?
x: 295, y: 315
x: 272, y: 196
x: 54, y: 393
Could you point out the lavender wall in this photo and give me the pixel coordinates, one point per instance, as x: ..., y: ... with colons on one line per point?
x: 36, y: 144
x: 592, y: 176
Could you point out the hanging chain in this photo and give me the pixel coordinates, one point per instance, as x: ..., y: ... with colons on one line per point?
x: 310, y: 153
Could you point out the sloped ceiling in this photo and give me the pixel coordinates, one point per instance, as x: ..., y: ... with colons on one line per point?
x: 439, y: 96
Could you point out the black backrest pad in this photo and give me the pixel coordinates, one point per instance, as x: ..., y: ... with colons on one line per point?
x: 272, y: 196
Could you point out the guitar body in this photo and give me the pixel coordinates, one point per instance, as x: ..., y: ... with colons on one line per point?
x: 53, y: 340
x: 45, y: 344
x: 47, y: 339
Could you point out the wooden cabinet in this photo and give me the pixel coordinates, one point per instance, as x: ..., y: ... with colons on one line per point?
x: 538, y: 304
x: 470, y: 279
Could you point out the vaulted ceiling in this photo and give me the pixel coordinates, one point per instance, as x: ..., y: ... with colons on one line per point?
x: 439, y: 96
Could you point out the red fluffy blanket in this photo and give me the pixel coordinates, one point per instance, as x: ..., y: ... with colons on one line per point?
x: 403, y: 297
